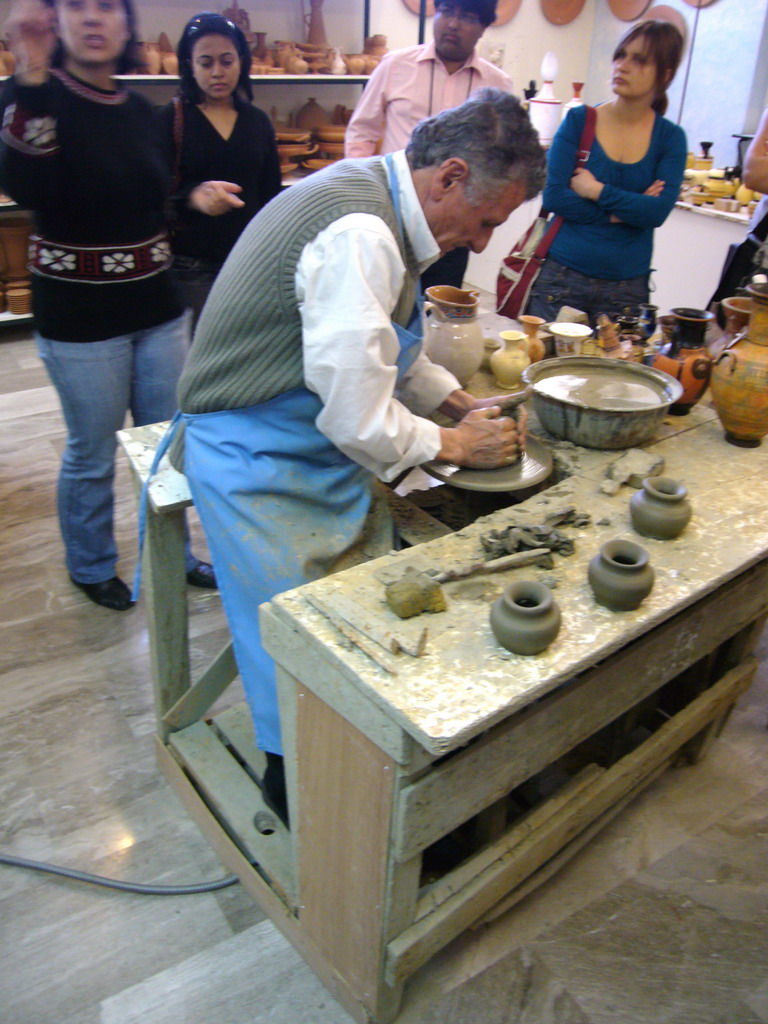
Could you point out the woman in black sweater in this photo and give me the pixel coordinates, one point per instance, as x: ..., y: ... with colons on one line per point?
x: 83, y: 154
x: 221, y: 151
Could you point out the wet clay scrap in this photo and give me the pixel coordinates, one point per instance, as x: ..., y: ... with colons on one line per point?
x: 415, y: 593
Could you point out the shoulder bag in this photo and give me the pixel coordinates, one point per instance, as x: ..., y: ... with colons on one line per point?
x: 521, y: 266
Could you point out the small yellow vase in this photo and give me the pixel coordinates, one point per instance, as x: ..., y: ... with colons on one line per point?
x: 508, y: 363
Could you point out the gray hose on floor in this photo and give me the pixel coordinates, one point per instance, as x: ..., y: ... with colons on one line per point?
x: 114, y: 883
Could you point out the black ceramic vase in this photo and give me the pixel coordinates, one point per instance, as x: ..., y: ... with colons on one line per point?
x: 526, y: 618
x: 620, y: 575
x: 660, y: 509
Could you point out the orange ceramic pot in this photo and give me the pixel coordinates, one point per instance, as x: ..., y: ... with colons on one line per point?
x: 740, y: 378
x: 532, y: 325
x: 737, y: 309
x: 687, y: 360
x: 692, y: 367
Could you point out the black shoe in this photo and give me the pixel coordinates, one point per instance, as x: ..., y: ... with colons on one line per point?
x: 202, y: 576
x: 112, y: 593
x: 273, y: 787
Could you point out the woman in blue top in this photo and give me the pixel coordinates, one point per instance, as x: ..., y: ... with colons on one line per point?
x: 600, y: 260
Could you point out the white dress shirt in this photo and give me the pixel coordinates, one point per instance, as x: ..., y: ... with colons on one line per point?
x: 348, y: 281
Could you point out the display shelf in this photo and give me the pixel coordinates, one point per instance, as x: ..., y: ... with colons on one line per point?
x: 9, y: 319
x: 273, y: 79
x: 264, y: 79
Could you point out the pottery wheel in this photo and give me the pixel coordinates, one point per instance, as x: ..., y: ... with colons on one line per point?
x: 535, y: 466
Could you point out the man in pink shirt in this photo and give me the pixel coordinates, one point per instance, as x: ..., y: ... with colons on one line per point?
x: 419, y: 81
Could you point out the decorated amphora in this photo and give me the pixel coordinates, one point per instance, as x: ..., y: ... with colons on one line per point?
x: 740, y: 377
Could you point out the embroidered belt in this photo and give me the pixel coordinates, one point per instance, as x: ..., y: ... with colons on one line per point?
x: 99, y: 264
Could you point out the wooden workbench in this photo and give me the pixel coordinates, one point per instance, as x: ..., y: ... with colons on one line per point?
x: 431, y: 792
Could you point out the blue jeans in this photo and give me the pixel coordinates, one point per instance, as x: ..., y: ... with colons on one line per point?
x: 195, y: 278
x: 558, y: 286
x: 98, y: 382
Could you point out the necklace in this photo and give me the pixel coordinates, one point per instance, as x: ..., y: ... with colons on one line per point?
x: 432, y: 85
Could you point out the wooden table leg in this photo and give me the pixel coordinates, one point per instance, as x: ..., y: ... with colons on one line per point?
x: 165, y: 592
x: 351, y: 893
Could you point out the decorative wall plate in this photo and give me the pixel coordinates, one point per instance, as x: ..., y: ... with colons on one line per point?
x: 561, y: 12
x: 628, y: 10
x: 662, y: 12
x: 505, y: 9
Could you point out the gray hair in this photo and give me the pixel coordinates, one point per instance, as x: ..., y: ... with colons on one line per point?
x: 493, y: 133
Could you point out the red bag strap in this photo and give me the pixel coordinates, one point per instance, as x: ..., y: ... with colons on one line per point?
x: 582, y: 155
x: 178, y: 131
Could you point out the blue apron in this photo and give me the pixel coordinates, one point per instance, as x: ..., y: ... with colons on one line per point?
x: 280, y: 505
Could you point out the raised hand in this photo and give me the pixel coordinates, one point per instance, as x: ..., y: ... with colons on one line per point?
x: 31, y: 34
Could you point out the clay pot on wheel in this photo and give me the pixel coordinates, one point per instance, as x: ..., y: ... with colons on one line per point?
x: 526, y: 618
x: 620, y: 575
x: 739, y: 390
x: 660, y: 509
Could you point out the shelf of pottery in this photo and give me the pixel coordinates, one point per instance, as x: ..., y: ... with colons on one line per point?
x: 15, y: 293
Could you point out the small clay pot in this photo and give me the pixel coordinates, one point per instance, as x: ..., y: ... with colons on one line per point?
x: 660, y: 509
x: 170, y: 63
x: 532, y: 325
x: 620, y: 575
x: 526, y: 618
x: 355, y: 63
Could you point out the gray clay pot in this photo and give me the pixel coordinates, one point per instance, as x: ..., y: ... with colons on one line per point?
x: 526, y: 618
x: 620, y: 575
x: 660, y: 508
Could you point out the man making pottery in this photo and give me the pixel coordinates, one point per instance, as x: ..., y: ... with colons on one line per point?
x: 306, y: 379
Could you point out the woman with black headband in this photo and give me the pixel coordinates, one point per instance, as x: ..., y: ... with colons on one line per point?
x: 221, y: 151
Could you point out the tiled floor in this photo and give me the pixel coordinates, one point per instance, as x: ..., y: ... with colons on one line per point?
x: 662, y: 918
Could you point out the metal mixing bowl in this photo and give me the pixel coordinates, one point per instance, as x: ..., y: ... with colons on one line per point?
x: 598, y: 402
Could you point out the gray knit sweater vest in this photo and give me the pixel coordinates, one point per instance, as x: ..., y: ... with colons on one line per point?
x: 247, y: 346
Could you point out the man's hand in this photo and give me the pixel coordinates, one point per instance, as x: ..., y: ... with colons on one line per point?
x: 483, y: 439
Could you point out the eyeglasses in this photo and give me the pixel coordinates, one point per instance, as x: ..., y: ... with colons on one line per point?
x: 451, y: 12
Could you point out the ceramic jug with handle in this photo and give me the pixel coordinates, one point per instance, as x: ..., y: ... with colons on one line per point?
x: 452, y: 336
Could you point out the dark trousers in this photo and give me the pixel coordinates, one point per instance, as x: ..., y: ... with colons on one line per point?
x: 449, y: 269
